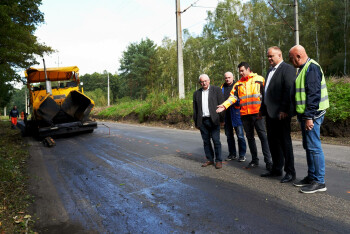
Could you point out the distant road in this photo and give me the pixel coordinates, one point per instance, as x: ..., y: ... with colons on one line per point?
x: 144, y: 179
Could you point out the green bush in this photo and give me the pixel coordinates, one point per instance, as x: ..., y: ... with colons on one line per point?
x: 143, y: 111
x: 339, y: 99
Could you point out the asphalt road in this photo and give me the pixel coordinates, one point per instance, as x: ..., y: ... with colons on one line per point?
x: 138, y: 179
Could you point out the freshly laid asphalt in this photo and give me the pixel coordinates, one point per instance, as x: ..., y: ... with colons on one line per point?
x: 139, y: 179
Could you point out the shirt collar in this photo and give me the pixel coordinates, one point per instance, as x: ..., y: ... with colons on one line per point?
x: 204, y: 90
x: 275, y: 67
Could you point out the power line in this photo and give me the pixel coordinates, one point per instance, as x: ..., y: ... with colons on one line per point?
x: 189, y: 6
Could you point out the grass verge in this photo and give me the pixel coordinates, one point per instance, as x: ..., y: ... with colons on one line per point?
x: 14, y: 197
x: 154, y: 108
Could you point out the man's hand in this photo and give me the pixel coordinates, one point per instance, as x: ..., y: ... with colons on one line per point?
x: 220, y: 108
x: 309, y: 124
x: 282, y: 115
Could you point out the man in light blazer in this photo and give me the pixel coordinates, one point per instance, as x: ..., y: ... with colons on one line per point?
x: 278, y: 108
x: 205, y: 101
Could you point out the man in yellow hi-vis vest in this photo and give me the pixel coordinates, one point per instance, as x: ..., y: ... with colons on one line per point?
x: 311, y: 101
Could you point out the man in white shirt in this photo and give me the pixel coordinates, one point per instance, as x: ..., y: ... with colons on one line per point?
x: 205, y: 101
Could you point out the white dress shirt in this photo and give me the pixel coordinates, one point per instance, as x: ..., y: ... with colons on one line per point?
x: 271, y: 75
x: 205, y: 102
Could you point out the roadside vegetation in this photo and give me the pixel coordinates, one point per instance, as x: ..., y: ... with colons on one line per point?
x: 160, y: 107
x: 154, y: 108
x: 339, y: 95
x: 174, y: 111
x: 15, y: 199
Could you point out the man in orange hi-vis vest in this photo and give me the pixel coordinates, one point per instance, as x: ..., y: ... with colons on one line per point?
x: 249, y: 90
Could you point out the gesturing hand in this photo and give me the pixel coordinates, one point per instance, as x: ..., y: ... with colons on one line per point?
x: 220, y: 108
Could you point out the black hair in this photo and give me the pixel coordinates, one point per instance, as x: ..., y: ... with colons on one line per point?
x: 244, y: 64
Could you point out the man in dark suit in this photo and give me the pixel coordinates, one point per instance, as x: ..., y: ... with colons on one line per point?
x: 207, y: 120
x: 277, y: 106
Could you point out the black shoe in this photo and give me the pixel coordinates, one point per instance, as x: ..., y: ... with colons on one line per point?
x: 288, y: 178
x: 241, y: 159
x: 253, y: 165
x: 269, y: 166
x: 231, y: 157
x: 304, y: 182
x: 313, y: 188
x: 271, y: 174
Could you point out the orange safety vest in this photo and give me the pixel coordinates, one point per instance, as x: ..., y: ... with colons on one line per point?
x: 249, y: 91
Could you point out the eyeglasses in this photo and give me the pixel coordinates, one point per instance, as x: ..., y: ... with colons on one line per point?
x: 204, y: 81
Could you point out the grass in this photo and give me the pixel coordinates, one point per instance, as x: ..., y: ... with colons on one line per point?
x: 14, y: 197
x: 155, y: 107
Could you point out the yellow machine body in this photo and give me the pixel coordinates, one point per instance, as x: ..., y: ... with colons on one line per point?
x: 56, y: 101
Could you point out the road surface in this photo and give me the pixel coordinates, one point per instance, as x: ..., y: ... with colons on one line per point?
x: 139, y: 179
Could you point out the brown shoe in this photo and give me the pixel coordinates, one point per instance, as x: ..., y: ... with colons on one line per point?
x: 207, y: 164
x: 218, y: 165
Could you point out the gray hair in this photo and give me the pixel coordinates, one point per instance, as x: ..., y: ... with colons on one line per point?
x: 203, y: 75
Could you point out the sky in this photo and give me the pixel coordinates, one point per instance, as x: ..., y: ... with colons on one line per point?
x: 93, y: 34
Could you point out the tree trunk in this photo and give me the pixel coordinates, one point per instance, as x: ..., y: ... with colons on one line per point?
x: 316, y: 36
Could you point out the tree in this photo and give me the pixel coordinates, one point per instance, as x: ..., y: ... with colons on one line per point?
x: 18, y: 45
x: 137, y: 68
x: 165, y: 68
x: 92, y: 82
x: 18, y: 99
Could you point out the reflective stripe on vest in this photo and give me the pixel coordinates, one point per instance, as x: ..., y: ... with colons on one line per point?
x: 300, y: 95
x: 251, y: 103
x: 251, y: 96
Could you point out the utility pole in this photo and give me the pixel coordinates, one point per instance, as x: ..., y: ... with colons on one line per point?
x: 108, y: 89
x: 180, y: 63
x: 58, y: 61
x: 296, y: 17
x: 26, y: 102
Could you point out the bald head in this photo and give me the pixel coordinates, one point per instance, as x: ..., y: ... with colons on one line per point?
x: 297, y: 56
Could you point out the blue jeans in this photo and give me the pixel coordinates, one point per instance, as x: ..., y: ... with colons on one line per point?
x: 314, y: 152
x: 211, y: 131
x: 242, y: 147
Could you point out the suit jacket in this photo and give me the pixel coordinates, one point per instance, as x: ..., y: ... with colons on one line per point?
x: 278, y: 96
x: 215, y: 98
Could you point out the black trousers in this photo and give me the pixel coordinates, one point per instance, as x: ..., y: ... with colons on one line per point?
x: 280, y: 143
x: 251, y: 122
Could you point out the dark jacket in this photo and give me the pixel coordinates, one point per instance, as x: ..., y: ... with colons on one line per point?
x: 14, y: 113
x: 278, y: 96
x: 233, y: 113
x: 215, y: 98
